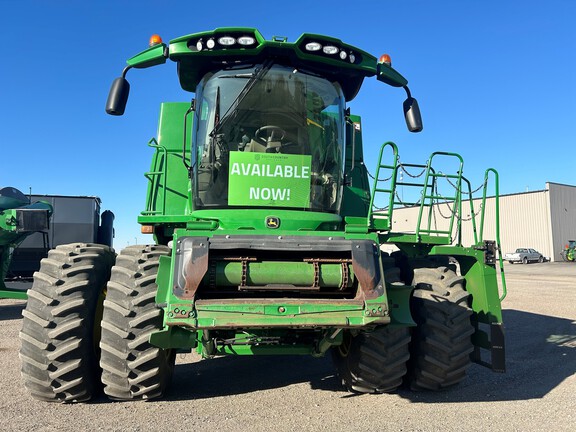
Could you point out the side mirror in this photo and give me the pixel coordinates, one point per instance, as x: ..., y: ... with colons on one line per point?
x: 412, y: 115
x: 118, y: 97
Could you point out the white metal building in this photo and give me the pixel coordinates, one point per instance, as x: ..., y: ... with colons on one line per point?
x: 543, y: 220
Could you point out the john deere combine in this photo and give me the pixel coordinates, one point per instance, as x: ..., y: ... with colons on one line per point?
x: 268, y: 238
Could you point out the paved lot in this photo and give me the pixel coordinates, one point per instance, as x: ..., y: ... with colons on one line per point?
x: 299, y: 393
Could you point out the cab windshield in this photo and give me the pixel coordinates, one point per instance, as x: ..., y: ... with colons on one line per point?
x: 268, y: 136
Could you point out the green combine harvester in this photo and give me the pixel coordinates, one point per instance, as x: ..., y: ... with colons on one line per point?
x: 269, y: 238
x: 18, y: 219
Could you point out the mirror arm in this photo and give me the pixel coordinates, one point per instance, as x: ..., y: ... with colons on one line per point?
x: 408, y: 94
x: 125, y: 71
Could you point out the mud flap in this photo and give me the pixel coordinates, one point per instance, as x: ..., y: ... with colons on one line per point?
x: 496, y: 346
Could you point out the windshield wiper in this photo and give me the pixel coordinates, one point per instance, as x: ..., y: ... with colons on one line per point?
x: 255, y: 77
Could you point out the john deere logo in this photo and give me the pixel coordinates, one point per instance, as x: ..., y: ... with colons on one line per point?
x: 272, y: 222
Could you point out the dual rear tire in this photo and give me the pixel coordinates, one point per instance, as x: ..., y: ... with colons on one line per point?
x: 431, y: 356
x: 87, y: 321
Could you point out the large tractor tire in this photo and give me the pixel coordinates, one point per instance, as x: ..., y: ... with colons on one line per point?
x: 441, y: 342
x: 61, y: 323
x: 374, y: 361
x: 132, y: 368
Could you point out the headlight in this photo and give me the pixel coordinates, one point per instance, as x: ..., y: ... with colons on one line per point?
x: 330, y: 50
x: 226, y: 40
x: 210, y: 44
x: 246, y: 40
x: 313, y: 46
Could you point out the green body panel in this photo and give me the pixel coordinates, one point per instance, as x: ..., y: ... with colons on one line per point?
x: 168, y: 196
x: 482, y: 284
x: 313, y: 223
x: 356, y: 196
x: 13, y: 294
x: 151, y: 57
x: 259, y: 296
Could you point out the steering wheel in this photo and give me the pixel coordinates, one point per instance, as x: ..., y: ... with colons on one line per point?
x: 270, y: 133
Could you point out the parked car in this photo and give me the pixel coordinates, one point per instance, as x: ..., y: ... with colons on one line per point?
x: 524, y: 255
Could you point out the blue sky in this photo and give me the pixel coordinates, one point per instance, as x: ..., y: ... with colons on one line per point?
x: 494, y: 79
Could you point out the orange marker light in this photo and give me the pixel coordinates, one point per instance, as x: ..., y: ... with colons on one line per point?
x: 385, y: 58
x: 147, y: 229
x: 155, y: 40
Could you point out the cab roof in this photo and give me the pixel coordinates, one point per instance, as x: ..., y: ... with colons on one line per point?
x: 200, y: 53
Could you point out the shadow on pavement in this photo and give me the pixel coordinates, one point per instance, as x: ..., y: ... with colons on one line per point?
x: 541, y: 353
x: 11, y: 311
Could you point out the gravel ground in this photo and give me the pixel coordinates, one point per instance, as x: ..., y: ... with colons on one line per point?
x: 538, y: 392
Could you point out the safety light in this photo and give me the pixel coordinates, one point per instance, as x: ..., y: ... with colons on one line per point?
x: 147, y: 229
x: 385, y: 58
x: 313, y: 46
x: 210, y: 44
x: 226, y: 40
x: 155, y: 40
x: 246, y: 40
x: 330, y: 50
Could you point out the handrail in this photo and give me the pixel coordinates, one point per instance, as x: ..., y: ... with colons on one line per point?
x: 497, y: 213
x: 472, y: 215
x: 430, y: 172
x: 430, y: 197
x: 394, y: 169
x: 158, y: 171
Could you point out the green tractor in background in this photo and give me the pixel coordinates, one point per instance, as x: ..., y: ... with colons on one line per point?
x: 268, y: 238
x: 19, y: 218
x: 569, y: 251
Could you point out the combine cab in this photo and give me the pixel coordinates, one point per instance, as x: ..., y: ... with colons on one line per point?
x: 269, y: 238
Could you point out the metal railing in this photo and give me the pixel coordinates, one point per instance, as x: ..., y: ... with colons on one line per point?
x: 159, y: 171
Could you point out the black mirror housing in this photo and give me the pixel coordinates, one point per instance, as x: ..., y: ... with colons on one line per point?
x: 412, y: 115
x: 118, y: 97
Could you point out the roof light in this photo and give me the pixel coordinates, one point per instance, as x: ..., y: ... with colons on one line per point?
x: 330, y: 50
x: 210, y: 44
x: 155, y: 40
x: 226, y: 40
x: 385, y: 58
x: 246, y: 40
x: 313, y: 46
